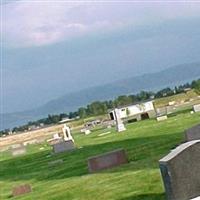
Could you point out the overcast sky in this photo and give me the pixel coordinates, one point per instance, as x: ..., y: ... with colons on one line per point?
x: 51, y: 48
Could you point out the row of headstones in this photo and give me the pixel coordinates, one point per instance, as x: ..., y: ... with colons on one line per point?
x: 59, y: 144
x: 95, y: 164
x: 180, y: 169
x: 196, y: 108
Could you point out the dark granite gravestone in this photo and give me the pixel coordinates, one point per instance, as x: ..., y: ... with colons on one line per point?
x: 63, y: 146
x: 193, y: 133
x: 107, y: 160
x: 180, y: 171
x: 20, y: 190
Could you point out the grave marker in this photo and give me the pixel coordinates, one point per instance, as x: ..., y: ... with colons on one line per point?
x: 20, y: 190
x: 196, y: 108
x: 162, y: 118
x: 63, y: 146
x: 107, y: 160
x: 119, y: 123
x: 193, y: 133
x: 180, y: 171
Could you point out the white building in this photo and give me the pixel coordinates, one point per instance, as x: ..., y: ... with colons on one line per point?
x: 138, y: 111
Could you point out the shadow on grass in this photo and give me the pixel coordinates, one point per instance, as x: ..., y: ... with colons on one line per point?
x: 146, y: 197
x: 143, y: 153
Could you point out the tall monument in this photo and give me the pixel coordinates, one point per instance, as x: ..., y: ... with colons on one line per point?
x: 67, y: 133
x: 119, y: 123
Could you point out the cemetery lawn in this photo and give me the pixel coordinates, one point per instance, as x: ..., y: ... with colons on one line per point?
x: 145, y: 143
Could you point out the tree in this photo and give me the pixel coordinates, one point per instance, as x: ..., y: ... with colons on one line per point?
x: 123, y: 100
x: 196, y: 85
x: 82, y: 112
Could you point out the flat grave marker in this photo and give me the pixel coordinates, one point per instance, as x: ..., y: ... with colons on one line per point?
x: 162, y: 118
x: 105, y: 133
x: 107, y: 160
x: 20, y: 190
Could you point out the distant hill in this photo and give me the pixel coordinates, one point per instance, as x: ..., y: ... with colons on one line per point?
x: 70, y: 102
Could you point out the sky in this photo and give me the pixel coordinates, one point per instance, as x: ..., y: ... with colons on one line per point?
x: 51, y: 48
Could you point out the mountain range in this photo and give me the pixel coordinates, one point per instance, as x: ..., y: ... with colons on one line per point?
x: 70, y: 102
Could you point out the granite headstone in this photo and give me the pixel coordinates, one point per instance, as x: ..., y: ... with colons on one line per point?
x: 107, y: 160
x: 193, y: 133
x: 63, y: 146
x: 180, y: 171
x: 20, y: 190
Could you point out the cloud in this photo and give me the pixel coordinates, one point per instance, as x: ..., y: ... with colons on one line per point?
x: 29, y: 23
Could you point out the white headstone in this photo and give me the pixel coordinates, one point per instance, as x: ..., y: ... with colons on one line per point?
x: 67, y: 133
x: 87, y: 132
x: 119, y: 123
x: 56, y: 136
x: 162, y: 118
x: 196, y: 108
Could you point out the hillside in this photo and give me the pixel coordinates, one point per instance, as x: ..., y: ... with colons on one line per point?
x: 70, y: 102
x: 169, y: 77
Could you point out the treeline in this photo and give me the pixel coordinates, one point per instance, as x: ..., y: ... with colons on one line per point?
x: 101, y: 107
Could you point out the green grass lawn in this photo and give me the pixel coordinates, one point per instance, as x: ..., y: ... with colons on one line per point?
x: 145, y: 143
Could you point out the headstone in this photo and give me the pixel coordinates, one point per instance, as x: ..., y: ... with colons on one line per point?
x: 162, y: 118
x: 20, y: 190
x: 63, y: 146
x: 107, y: 160
x: 119, y: 123
x: 56, y: 136
x: 196, y: 108
x: 193, y: 133
x: 67, y: 133
x: 18, y: 149
x: 55, y: 163
x: 87, y: 131
x: 180, y: 171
